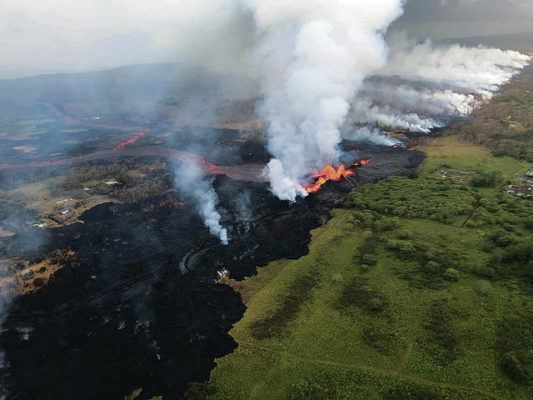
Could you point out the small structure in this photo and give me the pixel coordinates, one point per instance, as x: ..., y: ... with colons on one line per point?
x: 529, y: 174
x: 26, y: 274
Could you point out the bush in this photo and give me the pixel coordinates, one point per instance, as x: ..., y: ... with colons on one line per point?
x: 404, y: 247
x: 514, y: 343
x: 387, y: 224
x: 432, y: 267
x: 501, y: 238
x: 528, y: 223
x: 520, y: 252
x: 484, y: 288
x: 513, y: 368
x: 452, y: 275
x: 405, y: 234
x: 369, y: 259
x: 487, y: 179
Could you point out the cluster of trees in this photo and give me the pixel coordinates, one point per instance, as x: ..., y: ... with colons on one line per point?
x: 75, y: 179
x: 513, y: 144
x: 519, y: 151
x: 141, y: 190
x: 514, y: 344
x: 439, y: 200
x: 484, y: 179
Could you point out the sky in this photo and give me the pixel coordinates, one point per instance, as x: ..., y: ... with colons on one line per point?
x: 52, y: 36
x: 448, y: 19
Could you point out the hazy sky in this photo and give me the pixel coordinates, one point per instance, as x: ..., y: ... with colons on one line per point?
x: 44, y: 36
x: 459, y: 18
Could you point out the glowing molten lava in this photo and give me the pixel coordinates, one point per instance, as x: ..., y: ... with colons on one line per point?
x: 126, y: 142
x: 330, y: 173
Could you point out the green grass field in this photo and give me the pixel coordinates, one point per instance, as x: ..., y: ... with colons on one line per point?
x: 419, y: 288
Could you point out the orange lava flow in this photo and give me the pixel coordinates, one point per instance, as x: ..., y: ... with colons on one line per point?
x: 126, y: 142
x: 330, y: 173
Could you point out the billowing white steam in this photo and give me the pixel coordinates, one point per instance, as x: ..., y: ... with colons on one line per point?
x: 368, y: 135
x: 424, y: 85
x: 480, y: 70
x: 192, y: 182
x: 313, y: 56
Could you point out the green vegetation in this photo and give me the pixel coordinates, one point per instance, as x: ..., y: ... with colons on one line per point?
x: 419, y: 288
x: 297, y: 294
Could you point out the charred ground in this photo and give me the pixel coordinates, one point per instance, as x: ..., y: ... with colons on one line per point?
x: 140, y: 305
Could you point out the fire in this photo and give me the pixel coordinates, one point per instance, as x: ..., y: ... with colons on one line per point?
x: 331, y: 173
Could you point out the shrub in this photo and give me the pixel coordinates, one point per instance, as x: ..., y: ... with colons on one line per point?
x: 514, y: 343
x: 432, y: 267
x: 387, y: 224
x: 404, y: 247
x: 369, y: 259
x: 501, y: 238
x: 519, y: 252
x: 405, y: 234
x: 485, y: 179
x: 484, y: 288
x: 513, y: 368
x: 452, y: 275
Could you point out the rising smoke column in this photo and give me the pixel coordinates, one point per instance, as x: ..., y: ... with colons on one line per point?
x: 313, y: 56
x: 197, y: 187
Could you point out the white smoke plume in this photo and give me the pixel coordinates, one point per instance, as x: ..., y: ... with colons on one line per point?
x: 480, y: 70
x: 424, y: 85
x: 313, y: 57
x: 364, y: 111
x: 371, y: 135
x: 430, y: 100
x: 194, y: 184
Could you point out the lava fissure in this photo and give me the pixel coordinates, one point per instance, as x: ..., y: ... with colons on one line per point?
x: 331, y: 173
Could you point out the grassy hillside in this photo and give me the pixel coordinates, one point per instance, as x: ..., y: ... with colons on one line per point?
x: 419, y: 288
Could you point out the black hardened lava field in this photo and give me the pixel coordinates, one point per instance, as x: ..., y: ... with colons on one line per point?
x: 139, y: 306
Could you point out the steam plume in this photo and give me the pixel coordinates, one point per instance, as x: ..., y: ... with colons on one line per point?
x: 424, y: 85
x: 193, y: 183
x: 368, y: 135
x: 313, y: 57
